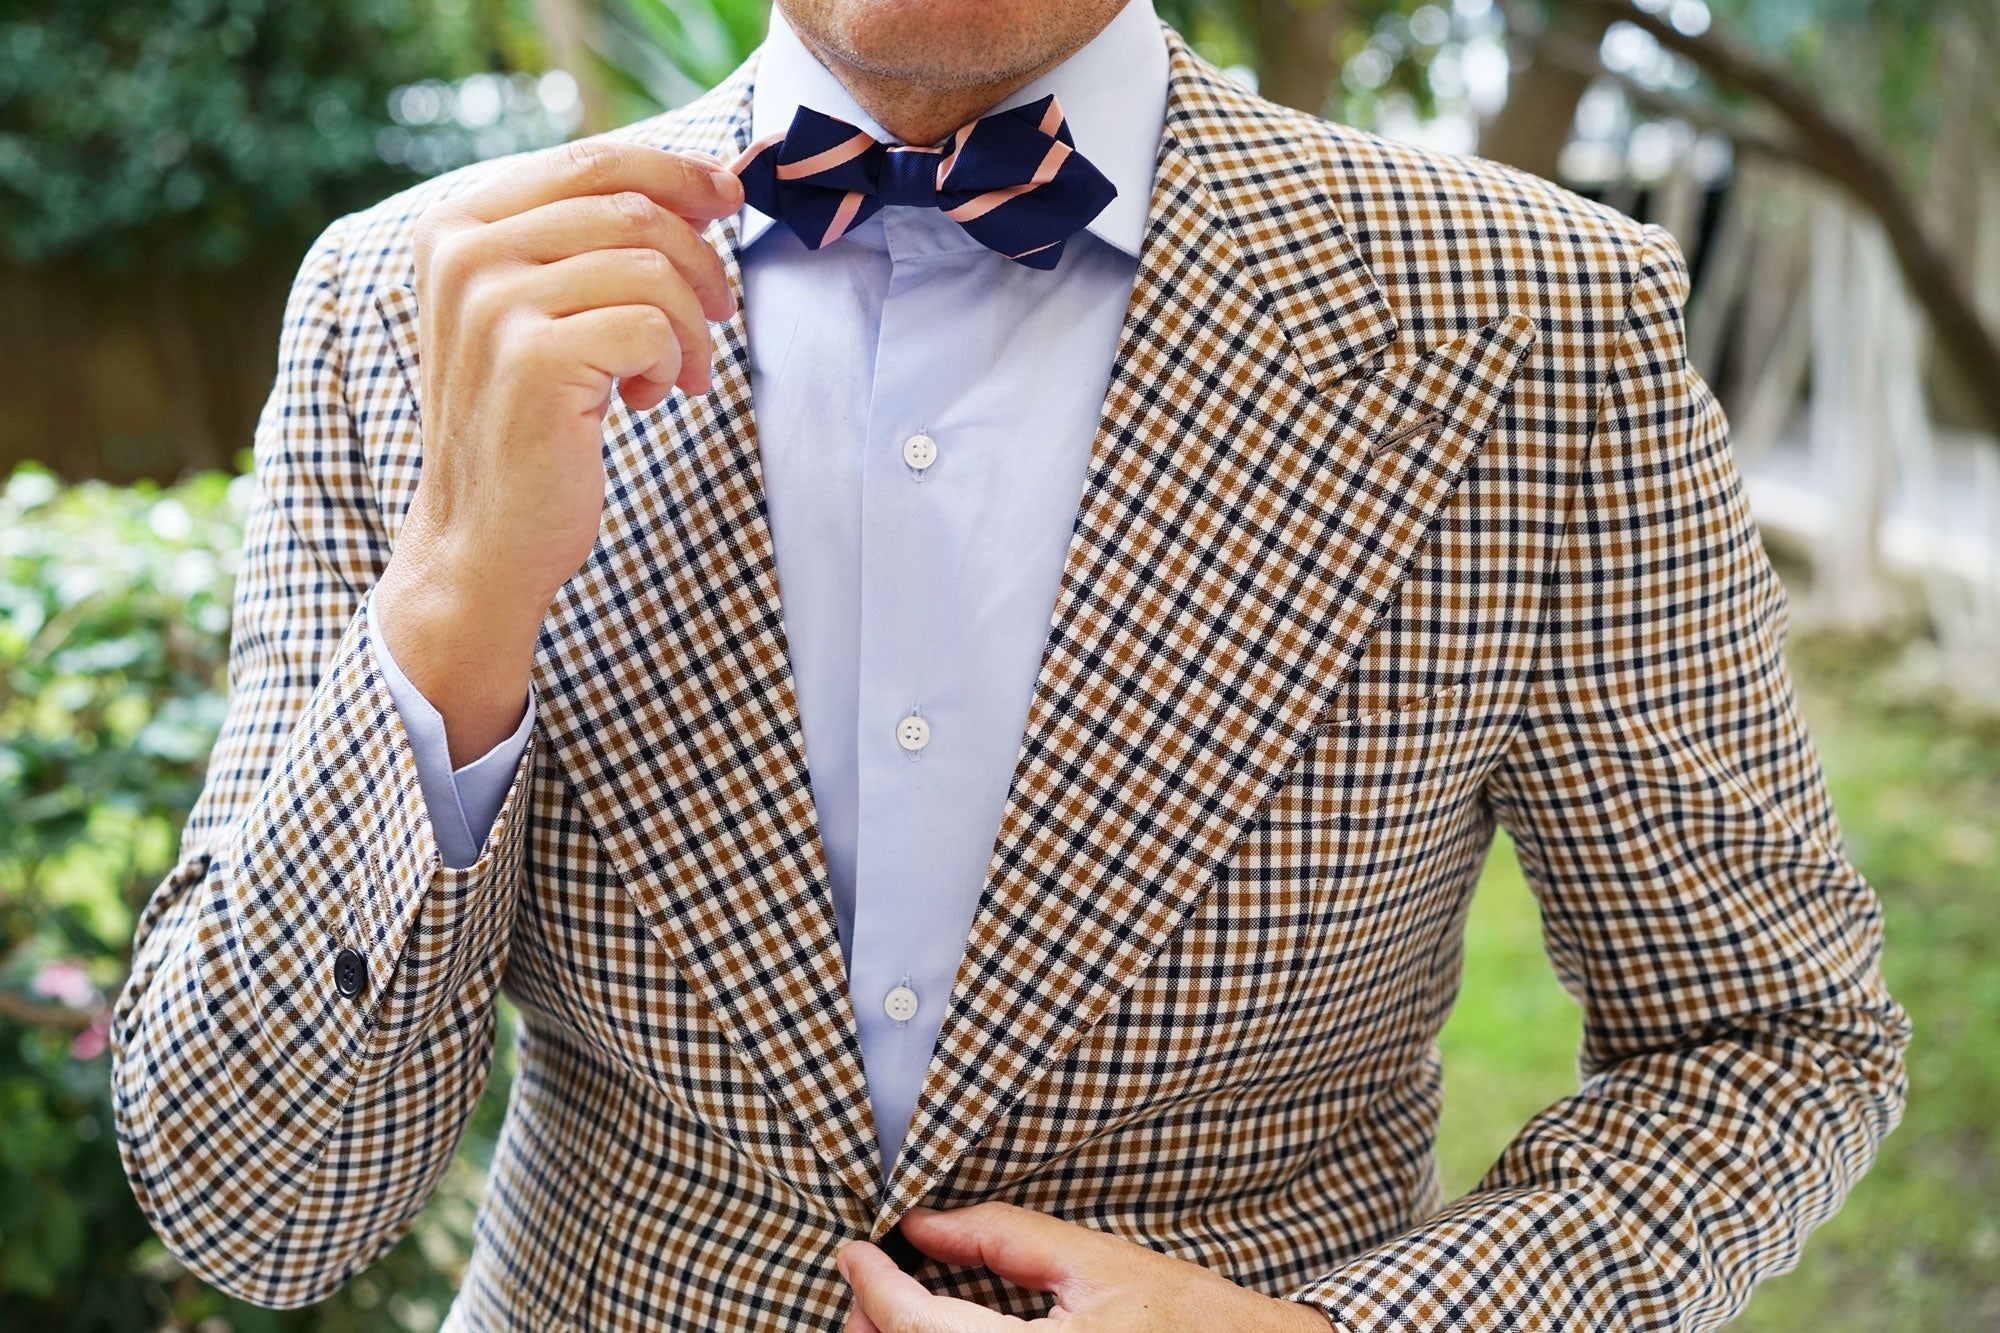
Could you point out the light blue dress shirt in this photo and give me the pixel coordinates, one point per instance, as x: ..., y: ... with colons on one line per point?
x: 925, y: 413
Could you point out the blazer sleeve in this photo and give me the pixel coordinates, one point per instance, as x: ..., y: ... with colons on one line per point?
x: 1741, y: 1057
x: 308, y: 1022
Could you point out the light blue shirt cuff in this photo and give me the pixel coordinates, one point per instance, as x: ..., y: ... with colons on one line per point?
x: 463, y: 803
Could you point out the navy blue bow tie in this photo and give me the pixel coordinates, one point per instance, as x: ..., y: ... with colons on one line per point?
x: 1013, y: 180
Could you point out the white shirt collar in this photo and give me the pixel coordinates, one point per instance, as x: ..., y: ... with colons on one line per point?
x: 1113, y: 92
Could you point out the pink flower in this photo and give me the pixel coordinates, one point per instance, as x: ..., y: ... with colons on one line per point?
x: 93, y: 1041
x: 66, y: 982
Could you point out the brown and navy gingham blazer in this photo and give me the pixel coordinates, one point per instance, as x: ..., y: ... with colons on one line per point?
x: 1405, y: 517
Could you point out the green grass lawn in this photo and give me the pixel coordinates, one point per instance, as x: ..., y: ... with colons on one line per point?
x: 1917, y: 789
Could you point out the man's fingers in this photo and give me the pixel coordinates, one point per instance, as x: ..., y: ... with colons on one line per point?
x: 1028, y: 1248
x: 628, y: 220
x: 895, y: 1302
x: 615, y: 342
x: 680, y: 183
x: 858, y: 1321
x: 614, y: 278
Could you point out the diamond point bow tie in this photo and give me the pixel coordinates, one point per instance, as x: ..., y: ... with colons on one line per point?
x: 1013, y: 180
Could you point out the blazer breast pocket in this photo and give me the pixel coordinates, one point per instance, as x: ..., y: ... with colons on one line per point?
x: 1358, y: 765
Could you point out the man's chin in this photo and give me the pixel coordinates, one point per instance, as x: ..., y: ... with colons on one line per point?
x: 931, y: 43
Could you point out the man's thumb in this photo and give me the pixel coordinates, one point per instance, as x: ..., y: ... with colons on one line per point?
x: 1027, y: 1248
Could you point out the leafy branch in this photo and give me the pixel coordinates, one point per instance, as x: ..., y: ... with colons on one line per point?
x: 1848, y: 157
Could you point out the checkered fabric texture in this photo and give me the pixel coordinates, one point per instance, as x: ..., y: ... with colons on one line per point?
x: 1405, y: 517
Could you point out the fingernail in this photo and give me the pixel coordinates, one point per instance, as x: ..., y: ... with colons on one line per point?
x: 840, y: 1259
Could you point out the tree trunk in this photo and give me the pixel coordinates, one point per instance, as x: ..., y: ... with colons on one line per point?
x: 187, y: 387
x: 1858, y: 166
x: 1295, y: 42
x: 1531, y: 126
x: 565, y: 25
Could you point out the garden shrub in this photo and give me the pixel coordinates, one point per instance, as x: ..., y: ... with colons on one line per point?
x: 114, y: 626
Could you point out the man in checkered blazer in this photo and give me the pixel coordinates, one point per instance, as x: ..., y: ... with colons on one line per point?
x: 1403, y: 517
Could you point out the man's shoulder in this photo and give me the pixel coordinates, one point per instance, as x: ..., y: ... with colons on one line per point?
x: 1384, y: 174
x: 1447, y: 234
x: 1381, y: 178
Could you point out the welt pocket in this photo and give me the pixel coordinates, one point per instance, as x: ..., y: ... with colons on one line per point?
x: 1384, y: 759
x: 1440, y: 704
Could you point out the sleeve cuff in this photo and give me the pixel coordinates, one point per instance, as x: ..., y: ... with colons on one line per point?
x: 462, y: 803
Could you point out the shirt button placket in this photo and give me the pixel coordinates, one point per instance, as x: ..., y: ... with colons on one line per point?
x: 912, y: 732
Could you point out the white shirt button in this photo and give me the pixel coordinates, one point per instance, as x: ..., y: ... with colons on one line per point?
x: 900, y: 1004
x: 920, y: 451
x: 912, y: 733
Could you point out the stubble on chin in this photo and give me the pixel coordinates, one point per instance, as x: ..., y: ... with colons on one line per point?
x: 941, y: 46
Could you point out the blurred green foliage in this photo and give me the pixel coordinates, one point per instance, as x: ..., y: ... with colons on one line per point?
x: 1894, y: 62
x: 663, y: 53
x: 195, y: 132
x: 1252, y: 34
x: 114, y: 622
x: 116, y: 617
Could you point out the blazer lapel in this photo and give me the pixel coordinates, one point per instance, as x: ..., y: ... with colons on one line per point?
x: 665, y: 694
x: 1261, y: 478
x: 670, y: 703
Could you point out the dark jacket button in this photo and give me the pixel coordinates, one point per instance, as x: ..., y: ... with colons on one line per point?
x: 898, y: 1247
x: 350, y: 972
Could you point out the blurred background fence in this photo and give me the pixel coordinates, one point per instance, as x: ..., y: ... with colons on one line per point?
x: 1831, y: 168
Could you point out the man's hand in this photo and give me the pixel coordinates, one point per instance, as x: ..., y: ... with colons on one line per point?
x: 538, y: 290
x: 1103, y: 1283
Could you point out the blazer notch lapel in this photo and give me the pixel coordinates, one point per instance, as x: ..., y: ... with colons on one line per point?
x: 672, y: 707
x: 1322, y: 294
x: 1441, y: 401
x: 1290, y: 239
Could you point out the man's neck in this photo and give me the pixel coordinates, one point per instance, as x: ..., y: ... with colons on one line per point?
x: 922, y: 114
